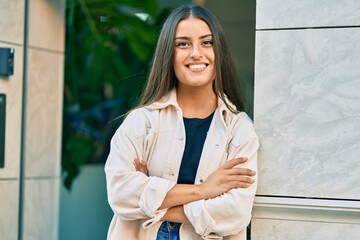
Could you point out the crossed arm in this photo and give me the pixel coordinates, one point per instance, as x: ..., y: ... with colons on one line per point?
x: 221, y: 181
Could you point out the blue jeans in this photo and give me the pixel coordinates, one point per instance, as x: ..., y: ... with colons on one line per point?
x: 168, y: 231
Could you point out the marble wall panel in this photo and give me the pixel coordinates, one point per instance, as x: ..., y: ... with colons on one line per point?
x: 47, y: 24
x: 9, y: 202
x: 308, y: 13
x: 12, y: 21
x: 41, y: 209
x: 265, y: 229
x: 12, y: 87
x: 44, y: 113
x: 307, y: 112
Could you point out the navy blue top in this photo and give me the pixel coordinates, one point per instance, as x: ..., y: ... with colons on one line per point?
x: 195, y: 130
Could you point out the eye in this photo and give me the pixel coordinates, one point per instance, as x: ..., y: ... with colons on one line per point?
x: 182, y: 44
x: 208, y: 43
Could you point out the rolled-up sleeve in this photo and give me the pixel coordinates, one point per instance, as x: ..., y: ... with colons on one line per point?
x: 229, y: 213
x: 132, y: 195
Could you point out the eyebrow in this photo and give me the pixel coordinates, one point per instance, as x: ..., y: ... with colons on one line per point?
x: 201, y: 37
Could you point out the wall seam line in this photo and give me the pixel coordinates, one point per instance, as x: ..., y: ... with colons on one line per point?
x: 11, y: 43
x: 46, y: 49
x: 304, y: 28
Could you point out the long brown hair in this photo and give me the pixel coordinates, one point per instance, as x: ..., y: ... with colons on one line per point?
x: 162, y: 77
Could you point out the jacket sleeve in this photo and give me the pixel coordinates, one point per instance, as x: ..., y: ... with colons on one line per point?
x: 133, y: 195
x: 229, y: 213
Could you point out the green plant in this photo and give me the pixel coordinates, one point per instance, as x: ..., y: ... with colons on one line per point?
x: 107, y: 51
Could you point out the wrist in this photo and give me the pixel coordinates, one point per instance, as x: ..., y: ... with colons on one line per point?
x: 199, y: 191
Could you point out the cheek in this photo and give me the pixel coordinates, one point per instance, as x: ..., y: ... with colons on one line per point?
x: 212, y: 56
x: 178, y: 59
x: 177, y: 70
x: 175, y: 66
x: 178, y: 62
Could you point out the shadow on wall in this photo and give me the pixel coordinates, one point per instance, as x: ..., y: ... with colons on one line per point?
x: 84, y: 211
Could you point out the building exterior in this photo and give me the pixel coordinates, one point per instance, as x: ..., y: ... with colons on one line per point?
x: 307, y: 114
x: 30, y: 178
x: 306, y: 110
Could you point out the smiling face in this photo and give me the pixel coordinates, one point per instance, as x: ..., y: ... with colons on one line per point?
x: 194, y: 58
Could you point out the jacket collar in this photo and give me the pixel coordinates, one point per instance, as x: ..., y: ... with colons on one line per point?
x: 171, y: 100
x: 168, y: 100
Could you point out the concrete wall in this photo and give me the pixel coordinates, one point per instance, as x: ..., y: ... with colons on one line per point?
x: 307, y: 114
x: 45, y: 56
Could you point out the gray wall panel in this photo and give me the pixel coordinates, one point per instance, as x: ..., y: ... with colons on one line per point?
x: 309, y: 13
x: 299, y: 230
x: 307, y: 112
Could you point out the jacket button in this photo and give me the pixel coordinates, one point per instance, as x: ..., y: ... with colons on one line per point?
x: 217, y: 145
x: 201, y: 181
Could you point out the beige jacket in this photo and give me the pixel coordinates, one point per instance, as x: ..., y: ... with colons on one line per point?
x: 156, y: 134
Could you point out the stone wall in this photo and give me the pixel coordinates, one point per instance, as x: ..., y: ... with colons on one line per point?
x: 307, y: 115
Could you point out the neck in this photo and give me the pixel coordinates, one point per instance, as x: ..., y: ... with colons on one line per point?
x: 196, y: 103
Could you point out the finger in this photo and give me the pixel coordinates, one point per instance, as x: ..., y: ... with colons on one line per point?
x: 141, y: 169
x: 136, y: 166
x: 241, y: 179
x: 233, y: 162
x: 136, y: 160
x: 241, y: 185
x: 144, y: 166
x: 241, y: 171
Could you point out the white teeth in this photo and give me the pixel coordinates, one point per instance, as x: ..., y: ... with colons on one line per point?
x: 197, y: 66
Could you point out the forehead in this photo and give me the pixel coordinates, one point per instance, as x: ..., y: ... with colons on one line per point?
x: 191, y: 26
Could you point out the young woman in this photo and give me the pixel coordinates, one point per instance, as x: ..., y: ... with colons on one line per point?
x: 182, y: 164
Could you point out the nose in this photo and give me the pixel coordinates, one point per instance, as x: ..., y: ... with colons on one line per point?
x: 195, y: 52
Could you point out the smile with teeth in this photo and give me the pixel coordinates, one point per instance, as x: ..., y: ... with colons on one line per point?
x: 197, y: 66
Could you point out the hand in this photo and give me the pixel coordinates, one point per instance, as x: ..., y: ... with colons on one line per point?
x: 226, y: 178
x: 141, y: 166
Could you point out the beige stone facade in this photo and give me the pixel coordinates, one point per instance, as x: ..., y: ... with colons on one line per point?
x: 44, y: 55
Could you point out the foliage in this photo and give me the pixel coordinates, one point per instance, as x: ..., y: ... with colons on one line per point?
x: 107, y: 53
